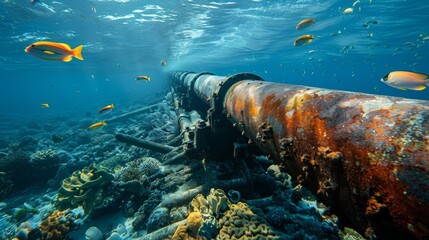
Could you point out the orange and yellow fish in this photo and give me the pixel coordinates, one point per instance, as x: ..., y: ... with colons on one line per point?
x: 45, y: 105
x: 143, y: 78
x: 348, y: 10
x: 97, y: 125
x: 406, y: 80
x: 54, y: 51
x: 106, y: 109
x: 305, y: 23
x: 304, y: 39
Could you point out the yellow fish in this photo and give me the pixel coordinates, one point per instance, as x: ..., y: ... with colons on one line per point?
x: 54, y: 51
x: 406, y: 80
x: 305, y: 23
x: 304, y: 39
x: 45, y: 105
x: 164, y: 63
x: 348, y: 10
x: 97, y: 125
x: 107, y: 108
x: 143, y: 78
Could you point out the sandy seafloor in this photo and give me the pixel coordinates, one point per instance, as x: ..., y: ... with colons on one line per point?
x: 61, y: 181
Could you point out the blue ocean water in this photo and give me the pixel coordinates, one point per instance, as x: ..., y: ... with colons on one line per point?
x: 123, y: 39
x: 126, y: 38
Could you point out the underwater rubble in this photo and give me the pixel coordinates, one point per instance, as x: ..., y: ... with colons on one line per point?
x: 93, y: 186
x: 174, y: 169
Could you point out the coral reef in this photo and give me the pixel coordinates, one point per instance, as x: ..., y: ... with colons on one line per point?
x: 181, y: 233
x: 240, y: 222
x: 57, y: 225
x: 194, y: 222
x: 15, y: 168
x: 45, y: 159
x: 14, y: 162
x: 215, y: 216
x: 141, y: 169
x: 84, y: 188
x: 142, y: 215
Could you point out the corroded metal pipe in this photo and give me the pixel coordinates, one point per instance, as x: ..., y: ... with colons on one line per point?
x: 367, y: 156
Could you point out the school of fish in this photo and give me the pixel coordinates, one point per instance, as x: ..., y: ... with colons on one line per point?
x: 55, y: 51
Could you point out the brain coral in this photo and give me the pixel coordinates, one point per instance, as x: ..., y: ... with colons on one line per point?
x: 84, y: 188
x: 239, y: 222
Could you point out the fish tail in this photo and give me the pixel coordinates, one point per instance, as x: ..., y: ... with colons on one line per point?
x: 77, y: 52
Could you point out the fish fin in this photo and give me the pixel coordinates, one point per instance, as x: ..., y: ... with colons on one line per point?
x: 77, y: 52
x: 419, y: 88
x: 68, y: 58
x: 422, y: 75
x: 49, y: 52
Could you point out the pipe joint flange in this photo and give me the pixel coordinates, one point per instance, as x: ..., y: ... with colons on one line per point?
x: 223, y: 87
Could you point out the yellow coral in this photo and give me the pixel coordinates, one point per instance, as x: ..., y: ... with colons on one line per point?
x: 56, y: 226
x: 194, y: 221
x: 217, y: 201
x: 83, y: 188
x: 180, y: 233
x: 199, y: 204
x: 239, y: 222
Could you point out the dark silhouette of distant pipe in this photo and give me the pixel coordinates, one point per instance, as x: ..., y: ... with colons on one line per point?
x: 143, y: 143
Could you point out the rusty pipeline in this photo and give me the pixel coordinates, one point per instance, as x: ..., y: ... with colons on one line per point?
x: 366, y: 156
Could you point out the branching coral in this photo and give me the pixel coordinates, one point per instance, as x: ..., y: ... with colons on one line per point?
x: 84, y: 188
x: 46, y: 157
x: 140, y: 169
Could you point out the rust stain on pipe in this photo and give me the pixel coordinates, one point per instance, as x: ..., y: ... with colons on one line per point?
x: 366, y: 154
